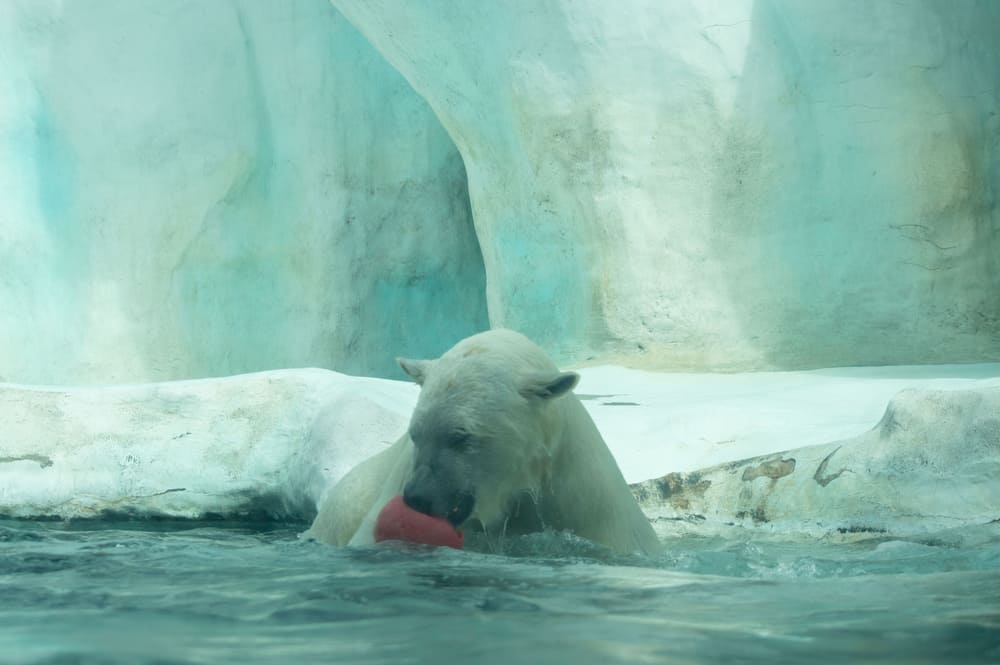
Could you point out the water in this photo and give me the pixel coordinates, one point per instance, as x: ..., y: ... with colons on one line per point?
x: 159, y: 592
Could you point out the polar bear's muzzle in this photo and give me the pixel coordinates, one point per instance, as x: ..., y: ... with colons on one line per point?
x: 425, y: 493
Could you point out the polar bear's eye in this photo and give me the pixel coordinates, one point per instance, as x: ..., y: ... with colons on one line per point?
x: 459, y: 440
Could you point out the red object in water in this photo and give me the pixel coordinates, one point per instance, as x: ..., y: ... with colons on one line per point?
x: 397, y: 521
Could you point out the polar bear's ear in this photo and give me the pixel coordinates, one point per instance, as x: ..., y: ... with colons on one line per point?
x: 417, y: 369
x: 547, y: 386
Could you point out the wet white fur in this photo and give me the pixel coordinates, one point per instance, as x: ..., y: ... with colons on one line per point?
x: 537, y: 438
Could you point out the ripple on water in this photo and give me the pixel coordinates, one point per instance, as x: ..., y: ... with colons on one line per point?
x: 107, y: 592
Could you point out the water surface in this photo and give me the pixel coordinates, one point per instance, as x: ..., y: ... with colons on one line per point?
x: 182, y: 592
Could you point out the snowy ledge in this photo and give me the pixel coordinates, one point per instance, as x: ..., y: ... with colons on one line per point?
x: 931, y: 463
x: 268, y: 443
x: 784, y: 451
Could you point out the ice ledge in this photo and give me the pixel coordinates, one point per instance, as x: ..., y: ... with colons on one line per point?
x: 271, y: 442
x: 274, y: 442
x: 931, y: 463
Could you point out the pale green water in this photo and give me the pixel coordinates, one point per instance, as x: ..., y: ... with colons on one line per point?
x: 225, y: 593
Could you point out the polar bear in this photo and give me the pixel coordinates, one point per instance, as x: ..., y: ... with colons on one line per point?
x: 497, y: 444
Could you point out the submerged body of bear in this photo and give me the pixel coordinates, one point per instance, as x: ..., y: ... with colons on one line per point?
x: 497, y: 443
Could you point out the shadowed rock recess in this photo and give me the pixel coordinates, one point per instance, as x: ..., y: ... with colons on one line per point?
x: 732, y: 185
x: 204, y: 189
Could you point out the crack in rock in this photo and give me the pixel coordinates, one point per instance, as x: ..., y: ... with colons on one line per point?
x: 41, y: 460
x: 820, y: 475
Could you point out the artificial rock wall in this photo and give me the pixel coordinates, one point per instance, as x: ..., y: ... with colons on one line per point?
x: 195, y: 189
x: 749, y: 184
x: 204, y: 189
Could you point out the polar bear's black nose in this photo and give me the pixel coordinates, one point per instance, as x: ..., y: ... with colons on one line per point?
x: 418, y: 502
x: 454, y: 507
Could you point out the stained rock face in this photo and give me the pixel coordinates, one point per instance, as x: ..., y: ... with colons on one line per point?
x: 931, y: 463
x: 753, y: 184
x: 206, y: 189
x: 202, y: 189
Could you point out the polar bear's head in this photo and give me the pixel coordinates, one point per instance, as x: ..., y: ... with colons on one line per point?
x: 484, y: 428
